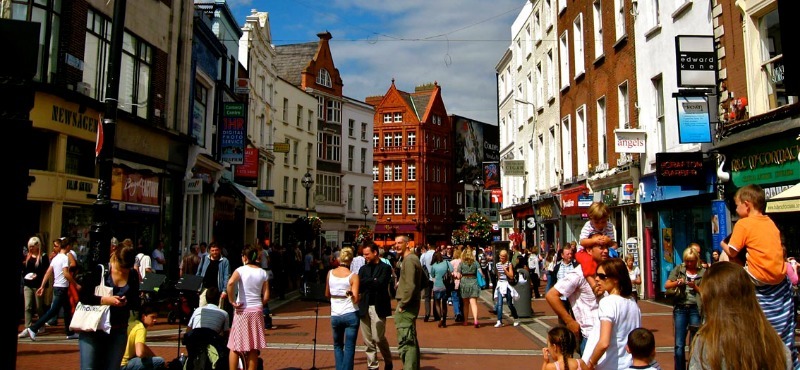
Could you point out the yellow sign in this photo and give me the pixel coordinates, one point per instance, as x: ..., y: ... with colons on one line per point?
x: 280, y: 147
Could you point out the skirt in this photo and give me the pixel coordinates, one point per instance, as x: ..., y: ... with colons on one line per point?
x: 247, y: 331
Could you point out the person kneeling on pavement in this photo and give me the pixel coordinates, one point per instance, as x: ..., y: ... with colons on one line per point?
x: 138, y: 355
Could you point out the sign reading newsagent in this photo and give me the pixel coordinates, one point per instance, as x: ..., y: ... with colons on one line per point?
x: 232, y: 133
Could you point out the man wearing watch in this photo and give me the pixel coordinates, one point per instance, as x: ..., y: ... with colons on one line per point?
x: 408, y: 301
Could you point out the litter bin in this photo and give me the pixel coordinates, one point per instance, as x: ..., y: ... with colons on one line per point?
x: 523, y: 287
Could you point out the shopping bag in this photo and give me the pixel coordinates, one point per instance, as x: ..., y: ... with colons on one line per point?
x: 91, y: 318
x: 481, y: 281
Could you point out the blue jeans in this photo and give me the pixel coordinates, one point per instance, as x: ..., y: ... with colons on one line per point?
x: 345, y: 333
x: 683, y: 316
x: 60, y: 299
x: 147, y: 363
x: 498, y: 306
x: 456, y: 302
x: 101, y: 351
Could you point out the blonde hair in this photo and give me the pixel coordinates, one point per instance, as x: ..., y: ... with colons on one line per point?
x: 598, y: 211
x: 690, y: 254
x: 346, y: 256
x: 457, y: 254
x: 34, y: 242
x: 628, y: 257
x: 467, y: 256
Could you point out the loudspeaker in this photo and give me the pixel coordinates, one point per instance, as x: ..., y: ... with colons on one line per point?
x: 193, y: 283
x: 152, y: 282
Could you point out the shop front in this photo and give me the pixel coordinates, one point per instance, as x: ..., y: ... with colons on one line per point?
x: 548, y: 214
x: 524, y: 219
x: 574, y: 204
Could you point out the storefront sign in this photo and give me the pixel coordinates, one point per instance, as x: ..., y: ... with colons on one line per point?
x: 233, y: 133
x: 696, y: 60
x: 193, y: 187
x: 630, y: 141
x: 684, y: 169
x: 80, y: 185
x: 773, y: 162
x: 497, y: 196
x: 247, y: 172
x: 514, y: 167
x: 133, y: 186
x: 547, y: 210
x: 571, y: 200
x: 626, y: 194
x: 693, y: 120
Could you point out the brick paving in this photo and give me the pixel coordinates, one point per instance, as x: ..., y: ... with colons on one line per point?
x: 291, y: 343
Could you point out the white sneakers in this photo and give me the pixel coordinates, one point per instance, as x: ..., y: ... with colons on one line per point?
x: 516, y: 323
x: 27, y: 333
x: 23, y: 333
x: 499, y: 324
x: 73, y: 336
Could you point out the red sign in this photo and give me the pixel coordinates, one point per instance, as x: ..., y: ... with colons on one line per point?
x: 132, y: 186
x: 497, y: 196
x: 569, y: 200
x: 249, y: 169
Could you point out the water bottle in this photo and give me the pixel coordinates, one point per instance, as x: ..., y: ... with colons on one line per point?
x: 182, y: 358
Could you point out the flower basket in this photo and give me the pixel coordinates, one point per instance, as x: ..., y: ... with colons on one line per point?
x: 363, y: 234
x: 478, y: 227
x: 459, y: 236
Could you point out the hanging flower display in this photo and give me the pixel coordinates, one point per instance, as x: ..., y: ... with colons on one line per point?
x: 478, y: 227
x: 459, y: 236
x: 363, y: 234
x: 316, y: 224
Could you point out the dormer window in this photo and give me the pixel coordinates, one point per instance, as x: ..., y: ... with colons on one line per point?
x: 324, y: 78
x: 437, y: 120
x: 398, y: 117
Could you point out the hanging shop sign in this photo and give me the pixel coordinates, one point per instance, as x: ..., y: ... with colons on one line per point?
x: 693, y: 119
x: 630, y: 141
x: 247, y: 172
x: 680, y: 169
x: 233, y: 133
x: 514, y: 167
x: 696, y: 61
x: 491, y: 175
x: 720, y: 223
x: 574, y: 200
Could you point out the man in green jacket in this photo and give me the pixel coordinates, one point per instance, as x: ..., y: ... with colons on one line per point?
x: 408, y: 301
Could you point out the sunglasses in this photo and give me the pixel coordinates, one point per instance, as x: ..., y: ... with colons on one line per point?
x: 602, y: 276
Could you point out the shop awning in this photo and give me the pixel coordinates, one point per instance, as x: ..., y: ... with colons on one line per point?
x: 786, y: 201
x: 251, y: 198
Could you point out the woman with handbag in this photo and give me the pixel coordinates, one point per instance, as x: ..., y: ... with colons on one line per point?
x: 468, y: 271
x: 683, y: 285
x: 100, y: 350
x: 34, y: 267
x: 440, y: 268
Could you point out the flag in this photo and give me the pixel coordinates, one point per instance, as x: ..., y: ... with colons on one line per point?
x: 98, y: 147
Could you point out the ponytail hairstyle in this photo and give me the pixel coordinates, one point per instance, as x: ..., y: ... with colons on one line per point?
x: 251, y: 252
x: 564, y: 340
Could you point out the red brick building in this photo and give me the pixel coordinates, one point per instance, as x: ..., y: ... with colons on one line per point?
x: 413, y: 166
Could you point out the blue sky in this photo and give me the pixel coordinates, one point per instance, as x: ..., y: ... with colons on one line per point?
x: 457, y: 43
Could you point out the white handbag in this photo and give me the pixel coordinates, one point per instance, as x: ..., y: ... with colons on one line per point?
x: 94, y: 318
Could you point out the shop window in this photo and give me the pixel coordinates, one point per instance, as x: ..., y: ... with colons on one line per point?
x: 80, y: 158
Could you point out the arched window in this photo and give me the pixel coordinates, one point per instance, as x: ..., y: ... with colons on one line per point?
x: 324, y: 78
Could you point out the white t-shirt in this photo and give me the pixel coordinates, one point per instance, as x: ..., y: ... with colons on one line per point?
x: 59, y: 263
x: 157, y: 253
x: 625, y: 315
x: 587, y: 229
x: 533, y: 263
x: 584, y: 304
x: 633, y: 275
x: 143, y: 263
x: 251, y: 280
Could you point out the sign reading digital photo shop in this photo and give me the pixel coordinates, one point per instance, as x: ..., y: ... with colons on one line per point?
x: 233, y: 133
x: 680, y: 169
x: 696, y: 61
x: 766, y: 162
x: 693, y: 119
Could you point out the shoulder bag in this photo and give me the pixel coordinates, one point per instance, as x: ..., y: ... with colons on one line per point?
x: 678, y: 290
x: 94, y: 318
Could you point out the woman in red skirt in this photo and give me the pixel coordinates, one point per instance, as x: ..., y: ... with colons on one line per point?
x: 247, y: 332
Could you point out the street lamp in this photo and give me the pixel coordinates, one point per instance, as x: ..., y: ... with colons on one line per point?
x: 365, y: 211
x: 307, y: 183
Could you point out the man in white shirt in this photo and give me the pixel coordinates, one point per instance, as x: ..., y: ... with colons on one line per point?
x: 533, y: 267
x: 210, y: 316
x: 158, y: 259
x: 358, y: 260
x: 582, y: 298
x: 427, y: 290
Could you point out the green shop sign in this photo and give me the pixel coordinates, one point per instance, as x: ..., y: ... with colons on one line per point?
x: 772, y: 163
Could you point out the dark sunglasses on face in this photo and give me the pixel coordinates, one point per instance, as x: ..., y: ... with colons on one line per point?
x: 602, y: 276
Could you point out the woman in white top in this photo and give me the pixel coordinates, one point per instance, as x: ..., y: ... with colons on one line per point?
x: 634, y: 274
x: 247, y: 332
x: 341, y: 287
x: 619, y: 315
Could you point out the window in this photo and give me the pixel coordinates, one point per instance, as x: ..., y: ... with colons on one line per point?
x: 537, y: 27
x: 551, y: 75
x: 334, y: 111
x: 294, y: 192
x: 49, y: 18
x: 375, y: 140
x: 771, y: 80
x: 286, y: 156
x: 598, y: 28
x: 310, y: 120
x: 375, y: 173
x: 412, y: 138
x: 398, y: 204
x: 531, y: 96
x: 412, y: 171
x: 539, y: 86
x: 350, y: 190
x: 581, y: 144
x: 566, y: 146
x: 577, y: 44
x: 518, y: 53
x: 602, y: 131
x: 137, y: 59
x: 324, y: 78
x: 363, y: 160
x: 398, y: 117
x: 285, y: 115
x: 658, y: 96
x: 622, y: 103
x: 374, y: 204
x: 563, y: 58
x: 398, y: 139
x: 387, y: 140
x: 387, y: 118
x: 551, y: 147
x: 351, y: 128
x: 398, y: 172
x: 80, y: 158
x: 351, y: 150
x: 309, y: 151
x: 436, y: 119
x: 387, y: 204
x: 548, y: 14
x: 329, y: 147
x: 329, y: 186
x: 411, y: 204
x: 286, y: 189
x: 295, y: 150
x: 541, y: 180
x: 363, y: 131
x: 320, y: 107
x: 562, y: 5
x: 619, y: 20
x: 200, y: 113
x: 299, y: 115
x: 528, y: 40
x: 654, y: 14
x: 387, y: 172
x: 363, y: 197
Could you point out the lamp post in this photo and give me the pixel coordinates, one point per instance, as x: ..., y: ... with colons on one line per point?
x: 365, y: 211
x: 307, y: 182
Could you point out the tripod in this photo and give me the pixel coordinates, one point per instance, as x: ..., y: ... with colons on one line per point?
x: 314, y: 352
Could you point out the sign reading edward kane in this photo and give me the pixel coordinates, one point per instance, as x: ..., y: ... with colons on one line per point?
x: 683, y: 169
